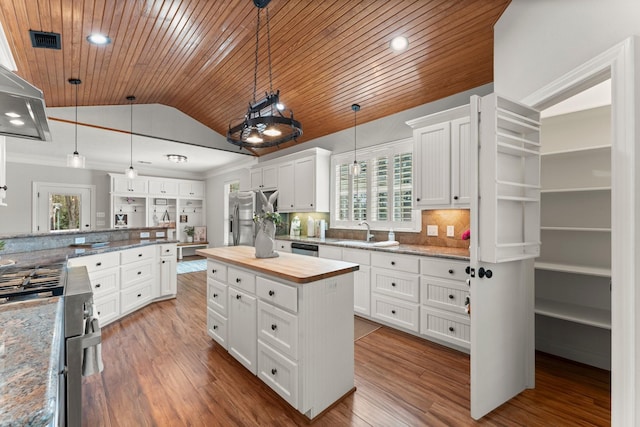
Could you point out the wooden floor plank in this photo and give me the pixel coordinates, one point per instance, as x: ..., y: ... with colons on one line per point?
x: 161, y: 369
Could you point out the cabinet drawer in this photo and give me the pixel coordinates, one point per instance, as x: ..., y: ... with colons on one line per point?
x: 133, y: 274
x: 217, y: 327
x: 96, y: 262
x: 444, y: 294
x: 396, y: 284
x: 405, y: 263
x: 242, y: 279
x: 330, y: 252
x: 133, y: 298
x: 400, y: 313
x: 217, y: 296
x: 105, y: 281
x: 168, y: 250
x: 445, y: 326
x: 137, y: 254
x: 279, y: 373
x: 357, y: 256
x: 283, y: 245
x: 445, y: 268
x: 108, y: 308
x: 217, y: 271
x: 277, y: 293
x: 278, y: 328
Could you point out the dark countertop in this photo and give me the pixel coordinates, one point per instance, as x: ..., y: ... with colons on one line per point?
x: 30, y: 335
x: 432, y: 251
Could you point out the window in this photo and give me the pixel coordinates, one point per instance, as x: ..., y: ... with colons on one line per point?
x: 381, y: 194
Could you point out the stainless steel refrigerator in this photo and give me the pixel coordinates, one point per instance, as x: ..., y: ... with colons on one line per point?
x: 241, y: 228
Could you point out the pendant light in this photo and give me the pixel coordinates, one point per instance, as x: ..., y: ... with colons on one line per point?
x: 354, y: 169
x: 75, y: 160
x: 131, y: 172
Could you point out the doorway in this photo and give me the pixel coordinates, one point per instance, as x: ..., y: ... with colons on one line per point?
x: 62, y: 207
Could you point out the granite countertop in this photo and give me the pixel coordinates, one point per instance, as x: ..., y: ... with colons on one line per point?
x: 291, y: 267
x: 432, y: 251
x: 30, y: 340
x: 30, y: 336
x: 56, y: 255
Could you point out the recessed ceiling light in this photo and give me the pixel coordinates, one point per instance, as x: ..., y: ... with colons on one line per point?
x: 176, y: 158
x: 99, y: 39
x: 16, y: 122
x: 10, y: 114
x: 399, y: 43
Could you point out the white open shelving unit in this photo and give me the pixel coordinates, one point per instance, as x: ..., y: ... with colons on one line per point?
x: 573, y: 272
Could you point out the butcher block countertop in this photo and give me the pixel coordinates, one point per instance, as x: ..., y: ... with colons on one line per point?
x: 292, y: 267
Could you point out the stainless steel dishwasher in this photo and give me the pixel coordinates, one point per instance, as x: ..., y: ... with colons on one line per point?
x: 304, y: 249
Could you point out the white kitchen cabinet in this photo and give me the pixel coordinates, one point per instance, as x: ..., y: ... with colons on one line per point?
x: 361, y: 280
x: 286, y: 185
x: 124, y: 185
x: 442, y: 156
x: 311, y: 184
x: 191, y: 189
x: 167, y: 273
x: 217, y: 302
x: 283, y: 245
x: 264, y: 177
x: 163, y: 187
x: 3, y: 171
x: 242, y: 330
x: 138, y: 284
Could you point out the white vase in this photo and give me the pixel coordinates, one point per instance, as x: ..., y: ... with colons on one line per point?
x: 189, y: 239
x: 265, y: 240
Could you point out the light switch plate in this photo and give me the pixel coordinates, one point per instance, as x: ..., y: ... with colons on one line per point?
x: 432, y: 230
x: 79, y: 241
x: 159, y: 234
x: 450, y: 231
x: 144, y: 235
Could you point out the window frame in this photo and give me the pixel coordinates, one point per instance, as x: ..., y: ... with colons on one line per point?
x: 366, y: 155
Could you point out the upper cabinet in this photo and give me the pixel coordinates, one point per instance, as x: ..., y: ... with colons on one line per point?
x: 264, y: 178
x: 123, y: 185
x: 194, y: 189
x: 286, y: 187
x: 442, y: 150
x: 163, y: 187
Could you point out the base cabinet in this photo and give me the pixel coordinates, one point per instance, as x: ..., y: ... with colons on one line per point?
x: 242, y: 328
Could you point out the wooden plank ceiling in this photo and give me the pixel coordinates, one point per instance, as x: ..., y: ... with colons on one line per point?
x: 199, y: 55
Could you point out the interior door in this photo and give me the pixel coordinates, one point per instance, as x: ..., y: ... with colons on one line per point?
x: 61, y: 207
x: 505, y: 237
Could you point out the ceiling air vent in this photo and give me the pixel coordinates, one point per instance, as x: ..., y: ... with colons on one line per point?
x: 45, y: 40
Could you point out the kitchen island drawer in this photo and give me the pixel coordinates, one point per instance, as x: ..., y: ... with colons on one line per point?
x: 445, y: 268
x: 242, y: 279
x: 395, y: 284
x: 96, y: 262
x: 278, y: 328
x: 444, y: 294
x: 216, y: 270
x: 279, y: 373
x: 278, y: 293
x: 400, y: 313
x: 405, y: 263
x: 217, y: 327
x: 217, y: 296
x: 445, y: 326
x: 137, y: 254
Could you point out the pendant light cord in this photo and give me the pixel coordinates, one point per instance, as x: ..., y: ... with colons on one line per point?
x: 76, y: 150
x: 131, y: 133
x: 255, y: 69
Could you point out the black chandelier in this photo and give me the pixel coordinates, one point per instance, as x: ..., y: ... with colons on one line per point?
x: 264, y: 125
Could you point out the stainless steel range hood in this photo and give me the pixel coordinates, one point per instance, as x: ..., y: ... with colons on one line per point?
x: 22, y: 109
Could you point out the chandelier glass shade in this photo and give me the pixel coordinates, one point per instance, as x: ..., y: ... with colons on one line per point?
x: 75, y: 160
x: 264, y: 124
x: 130, y: 172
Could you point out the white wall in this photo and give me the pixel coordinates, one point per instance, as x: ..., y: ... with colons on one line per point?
x: 536, y: 42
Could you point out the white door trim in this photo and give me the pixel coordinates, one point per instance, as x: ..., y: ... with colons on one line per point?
x: 34, y: 201
x: 619, y: 63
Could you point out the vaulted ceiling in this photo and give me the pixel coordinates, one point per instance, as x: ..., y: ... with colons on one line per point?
x: 199, y: 55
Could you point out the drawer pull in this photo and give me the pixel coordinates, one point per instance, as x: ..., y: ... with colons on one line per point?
x: 139, y: 273
x: 272, y: 293
x: 167, y: 250
x: 163, y: 261
x: 451, y: 329
x: 451, y: 271
x: 139, y: 255
x: 393, y: 263
x: 98, y: 313
x: 215, y: 295
x: 451, y: 296
x: 215, y: 327
x: 238, y: 280
x: 139, y: 295
x: 393, y: 284
x: 98, y: 264
x: 214, y: 271
x: 393, y: 312
x: 468, y: 269
x: 274, y: 327
x: 238, y: 296
x: 274, y: 371
x: 98, y: 285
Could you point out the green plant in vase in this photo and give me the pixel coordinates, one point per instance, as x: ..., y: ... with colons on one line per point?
x: 189, y: 230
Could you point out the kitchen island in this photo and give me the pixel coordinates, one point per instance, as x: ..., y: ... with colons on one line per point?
x: 288, y: 320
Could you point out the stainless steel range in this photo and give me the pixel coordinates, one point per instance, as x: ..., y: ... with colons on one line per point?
x: 80, y: 351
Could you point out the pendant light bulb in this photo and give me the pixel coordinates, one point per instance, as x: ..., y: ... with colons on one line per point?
x: 254, y: 136
x: 354, y: 169
x: 75, y: 160
x: 131, y: 173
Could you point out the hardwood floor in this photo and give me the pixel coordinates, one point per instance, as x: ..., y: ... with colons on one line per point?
x: 161, y: 369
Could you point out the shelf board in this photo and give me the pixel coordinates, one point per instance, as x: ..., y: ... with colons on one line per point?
x: 578, y: 150
x: 578, y: 229
x: 574, y: 190
x: 574, y: 313
x: 577, y: 269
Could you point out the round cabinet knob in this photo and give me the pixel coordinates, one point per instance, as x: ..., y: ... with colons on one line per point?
x: 214, y: 271
x: 274, y: 327
x: 98, y: 313
x: 139, y: 273
x: 274, y: 371
x: 98, y: 264
x: 215, y: 327
x: 238, y: 280
x: 418, y: 199
x: 451, y: 271
x: 163, y: 261
x: 139, y: 255
x: 393, y: 263
x: 393, y: 312
x: 215, y: 295
x: 272, y: 293
x: 393, y: 285
x: 139, y: 295
x: 238, y: 296
x: 451, y: 296
x: 4, y: 187
x: 455, y: 197
x: 468, y: 269
x: 98, y: 285
x: 451, y: 329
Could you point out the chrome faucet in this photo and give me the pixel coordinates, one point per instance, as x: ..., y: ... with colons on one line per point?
x: 369, y: 235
